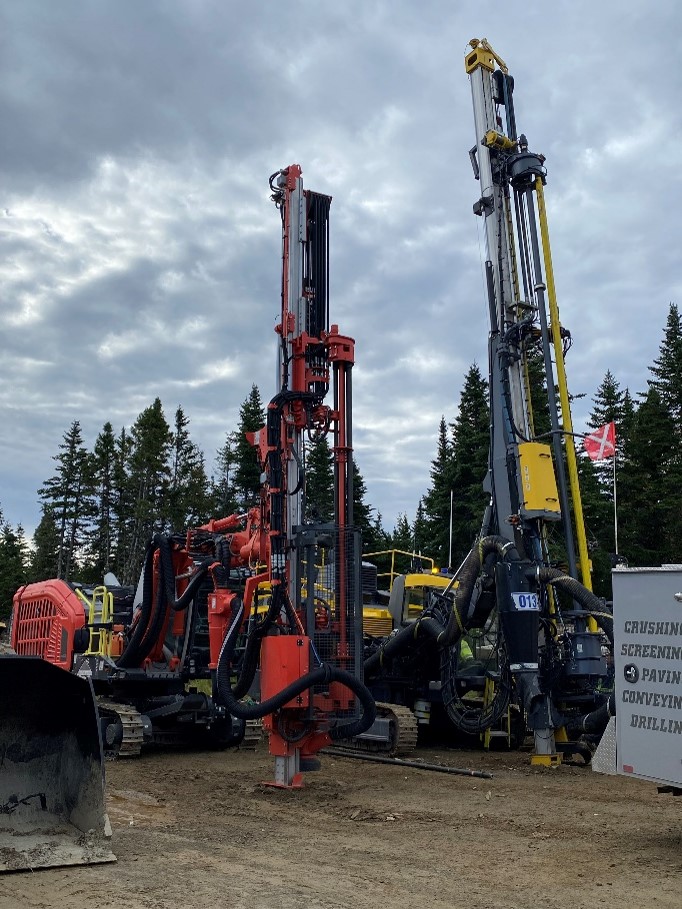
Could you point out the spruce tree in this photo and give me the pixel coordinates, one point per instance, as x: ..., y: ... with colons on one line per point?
x: 13, y: 565
x: 667, y: 368
x: 598, y: 524
x: 188, y: 495
x: 436, y: 502
x: 373, y: 536
x: 608, y: 406
x: 420, y: 529
x: 470, y: 444
x: 69, y: 495
x: 223, y: 499
x: 648, y: 486
x: 149, y: 476
x: 102, y: 540
x: 319, y: 480
x: 402, y: 535
x: 537, y: 385
x: 247, y: 470
x: 123, y: 506
x: 45, y: 555
x: 380, y: 538
x: 607, y: 402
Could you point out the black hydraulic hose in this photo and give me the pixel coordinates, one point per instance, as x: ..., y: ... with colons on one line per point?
x: 593, y: 723
x: 129, y: 656
x: 467, y: 577
x: 153, y: 615
x: 588, y: 600
x: 251, y: 656
x: 168, y: 575
x: 156, y: 624
x: 321, y: 675
x: 398, y: 642
x: 445, y: 636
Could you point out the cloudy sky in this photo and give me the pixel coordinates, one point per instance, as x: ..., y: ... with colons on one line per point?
x: 140, y: 254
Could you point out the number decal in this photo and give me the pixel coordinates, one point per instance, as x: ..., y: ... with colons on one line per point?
x: 528, y: 602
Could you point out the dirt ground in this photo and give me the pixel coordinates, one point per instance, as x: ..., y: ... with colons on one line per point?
x: 200, y: 830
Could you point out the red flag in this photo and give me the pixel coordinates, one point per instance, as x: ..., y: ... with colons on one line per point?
x: 601, y: 443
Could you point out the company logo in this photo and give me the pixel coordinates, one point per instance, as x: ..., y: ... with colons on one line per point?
x: 631, y: 673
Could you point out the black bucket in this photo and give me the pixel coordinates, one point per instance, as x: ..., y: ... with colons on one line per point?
x: 52, y: 808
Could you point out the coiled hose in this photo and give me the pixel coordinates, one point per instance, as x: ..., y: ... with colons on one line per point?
x: 153, y: 615
x: 459, y: 612
x: 321, y: 675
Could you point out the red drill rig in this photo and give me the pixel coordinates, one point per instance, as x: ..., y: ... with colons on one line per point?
x: 310, y: 635
x: 264, y: 588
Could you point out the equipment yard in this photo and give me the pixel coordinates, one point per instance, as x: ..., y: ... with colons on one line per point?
x: 198, y: 830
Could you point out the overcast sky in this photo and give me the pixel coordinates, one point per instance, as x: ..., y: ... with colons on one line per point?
x: 140, y: 253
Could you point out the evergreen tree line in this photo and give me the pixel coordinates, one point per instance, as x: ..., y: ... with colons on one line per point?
x: 101, y: 505
x: 648, y: 468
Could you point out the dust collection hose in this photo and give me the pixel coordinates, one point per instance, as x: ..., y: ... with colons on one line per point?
x: 593, y: 723
x: 588, y: 600
x: 322, y: 675
x: 398, y: 642
x: 445, y: 635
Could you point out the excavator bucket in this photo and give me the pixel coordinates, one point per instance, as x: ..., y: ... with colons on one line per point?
x: 51, y: 768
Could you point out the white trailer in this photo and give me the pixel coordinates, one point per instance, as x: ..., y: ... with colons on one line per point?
x: 644, y: 739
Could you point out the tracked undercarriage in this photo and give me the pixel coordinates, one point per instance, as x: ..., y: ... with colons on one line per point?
x: 394, y: 733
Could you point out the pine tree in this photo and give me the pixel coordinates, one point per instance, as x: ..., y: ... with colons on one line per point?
x: 69, y: 495
x: 13, y: 565
x: 648, y: 486
x: 188, y: 496
x: 319, y: 481
x: 373, y: 538
x: 402, y: 535
x: 45, y: 556
x: 470, y: 445
x: 123, y: 505
x: 247, y: 471
x: 667, y: 368
x: 436, y: 502
x: 223, y: 500
x: 102, y: 537
x: 149, y: 472
x: 420, y: 529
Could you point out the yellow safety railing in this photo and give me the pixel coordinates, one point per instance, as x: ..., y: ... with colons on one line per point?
x: 393, y: 573
x: 100, y: 612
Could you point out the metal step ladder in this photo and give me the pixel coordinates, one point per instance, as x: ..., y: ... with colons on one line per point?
x: 503, y: 729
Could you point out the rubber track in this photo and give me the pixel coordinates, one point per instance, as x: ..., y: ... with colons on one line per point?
x: 133, y: 733
x: 403, y: 741
x: 252, y: 735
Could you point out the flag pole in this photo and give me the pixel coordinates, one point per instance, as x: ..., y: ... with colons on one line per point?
x: 615, y: 504
x: 452, y: 495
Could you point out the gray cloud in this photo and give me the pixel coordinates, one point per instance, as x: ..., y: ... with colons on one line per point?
x: 140, y: 251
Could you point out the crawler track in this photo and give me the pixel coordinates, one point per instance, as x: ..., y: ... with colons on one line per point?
x: 401, y: 738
